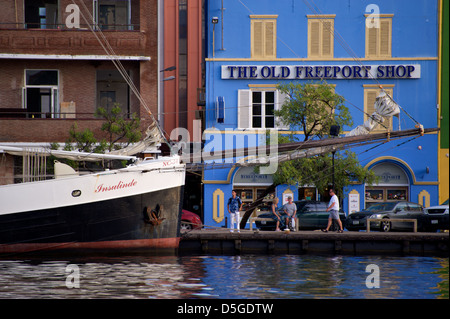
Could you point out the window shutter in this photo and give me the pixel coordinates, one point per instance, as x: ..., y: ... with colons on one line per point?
x: 370, y: 100
x: 372, y: 36
x: 314, y: 34
x: 269, y: 36
x: 385, y: 37
x: 327, y: 39
x: 244, y: 103
x: 280, y: 99
x: 258, y: 38
x: 371, y: 97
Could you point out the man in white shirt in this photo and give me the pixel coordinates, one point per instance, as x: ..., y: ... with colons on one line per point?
x: 333, y: 208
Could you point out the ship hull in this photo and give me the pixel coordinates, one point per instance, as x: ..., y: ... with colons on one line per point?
x: 98, y: 213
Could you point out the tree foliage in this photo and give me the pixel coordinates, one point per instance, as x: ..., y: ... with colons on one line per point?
x: 120, y: 131
x: 118, y: 127
x: 313, y: 108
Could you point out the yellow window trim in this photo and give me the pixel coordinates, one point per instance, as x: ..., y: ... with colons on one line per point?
x: 263, y: 16
x: 321, y: 16
x: 384, y: 15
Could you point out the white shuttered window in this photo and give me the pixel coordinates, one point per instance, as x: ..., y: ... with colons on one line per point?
x: 256, y: 109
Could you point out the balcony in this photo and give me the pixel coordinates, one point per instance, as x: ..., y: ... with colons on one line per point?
x: 69, y: 42
x: 46, y: 28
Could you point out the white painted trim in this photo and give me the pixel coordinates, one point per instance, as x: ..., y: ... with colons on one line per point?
x: 71, y: 57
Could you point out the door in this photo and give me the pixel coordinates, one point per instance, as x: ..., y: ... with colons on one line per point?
x: 41, y: 102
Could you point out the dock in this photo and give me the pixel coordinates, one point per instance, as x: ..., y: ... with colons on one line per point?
x: 223, y: 242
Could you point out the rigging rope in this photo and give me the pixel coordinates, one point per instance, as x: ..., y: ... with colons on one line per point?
x: 336, y: 35
x: 117, y: 63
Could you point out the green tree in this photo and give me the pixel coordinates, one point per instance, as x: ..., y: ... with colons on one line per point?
x: 118, y: 127
x: 120, y: 131
x: 313, y: 108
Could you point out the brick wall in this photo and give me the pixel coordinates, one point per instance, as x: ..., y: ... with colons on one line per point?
x: 77, y: 79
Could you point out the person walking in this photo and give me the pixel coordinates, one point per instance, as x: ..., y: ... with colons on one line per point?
x: 234, y: 206
x: 290, y: 209
x: 333, y: 208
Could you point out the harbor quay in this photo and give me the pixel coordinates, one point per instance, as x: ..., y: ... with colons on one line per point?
x: 223, y: 242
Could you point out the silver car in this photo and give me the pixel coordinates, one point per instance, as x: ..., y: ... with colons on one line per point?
x: 437, y: 217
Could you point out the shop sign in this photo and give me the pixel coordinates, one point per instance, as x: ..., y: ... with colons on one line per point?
x: 247, y: 176
x: 316, y: 72
x: 390, y: 174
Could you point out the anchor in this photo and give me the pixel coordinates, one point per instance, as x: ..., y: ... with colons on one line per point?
x: 153, y: 216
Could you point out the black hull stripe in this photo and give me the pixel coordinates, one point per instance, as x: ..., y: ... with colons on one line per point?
x: 118, y: 222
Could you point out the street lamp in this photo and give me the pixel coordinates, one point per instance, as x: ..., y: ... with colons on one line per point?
x: 334, y: 131
x: 170, y: 68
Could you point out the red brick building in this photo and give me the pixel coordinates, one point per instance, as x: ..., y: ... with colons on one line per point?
x: 54, y: 72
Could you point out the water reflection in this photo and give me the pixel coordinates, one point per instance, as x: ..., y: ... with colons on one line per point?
x: 257, y: 277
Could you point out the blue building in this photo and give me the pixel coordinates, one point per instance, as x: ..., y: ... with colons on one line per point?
x: 253, y: 45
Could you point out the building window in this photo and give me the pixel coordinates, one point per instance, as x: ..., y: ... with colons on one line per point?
x: 379, y: 36
x: 40, y: 94
x: 263, y: 36
x: 113, y: 14
x: 371, y: 91
x: 41, y: 14
x: 263, y: 108
x: 321, y: 36
x: 256, y: 108
x: 112, y: 90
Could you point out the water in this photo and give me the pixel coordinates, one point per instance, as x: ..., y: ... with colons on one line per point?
x: 225, y: 277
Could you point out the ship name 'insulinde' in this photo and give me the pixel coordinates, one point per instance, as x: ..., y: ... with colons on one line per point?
x: 107, y: 188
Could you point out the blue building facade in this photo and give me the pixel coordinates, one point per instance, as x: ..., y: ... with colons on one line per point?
x: 356, y: 46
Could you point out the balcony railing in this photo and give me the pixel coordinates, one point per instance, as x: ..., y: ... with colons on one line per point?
x: 15, y: 113
x: 61, y: 26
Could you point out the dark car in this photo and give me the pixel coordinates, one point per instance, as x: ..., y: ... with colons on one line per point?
x: 389, y: 211
x: 190, y: 220
x: 436, y: 217
x: 357, y: 221
x: 310, y: 215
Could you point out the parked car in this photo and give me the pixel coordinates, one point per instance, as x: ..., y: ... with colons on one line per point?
x: 190, y: 220
x: 310, y: 215
x: 358, y: 220
x: 397, y: 210
x: 436, y: 217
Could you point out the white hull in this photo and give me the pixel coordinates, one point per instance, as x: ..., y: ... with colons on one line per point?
x: 148, y: 176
